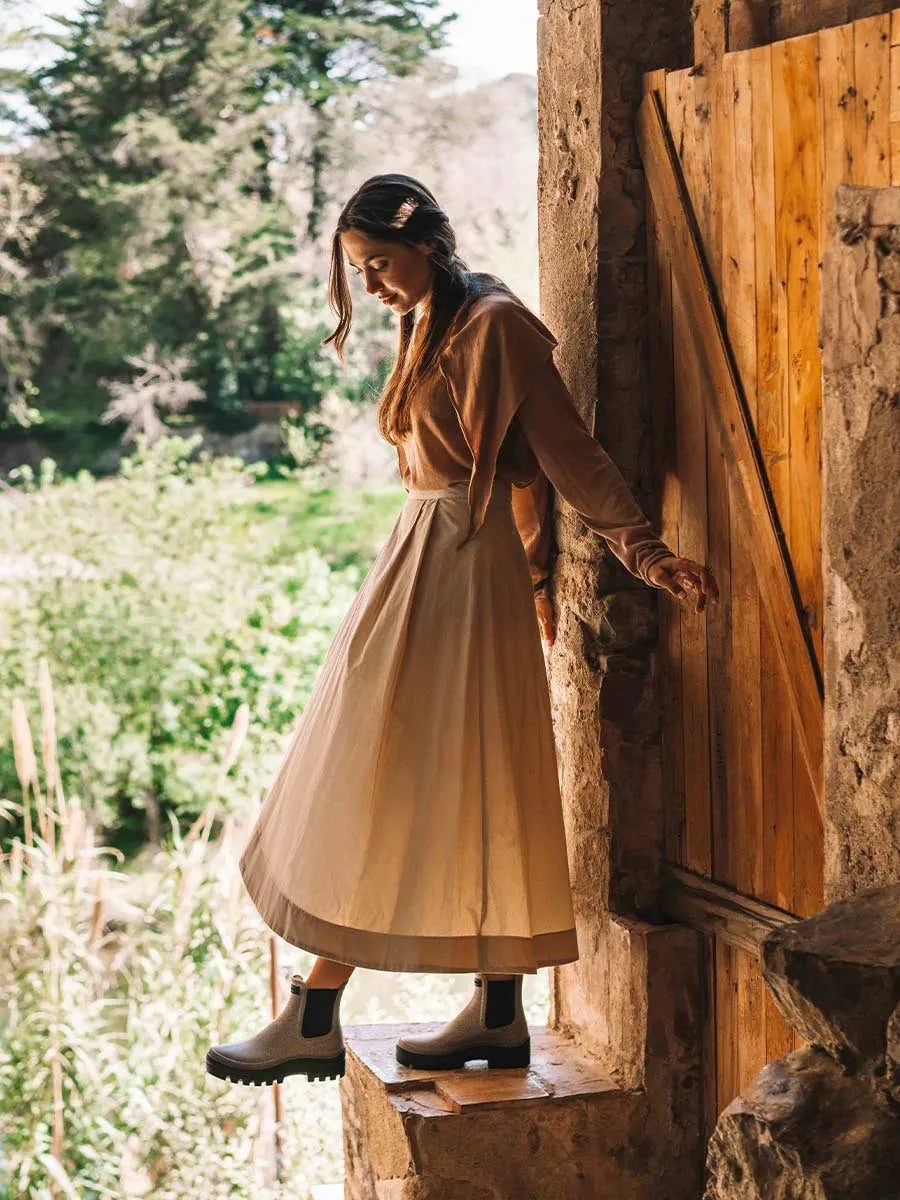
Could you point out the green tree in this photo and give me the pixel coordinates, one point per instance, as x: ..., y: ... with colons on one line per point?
x: 325, y: 49
x: 155, y: 144
x: 144, y: 145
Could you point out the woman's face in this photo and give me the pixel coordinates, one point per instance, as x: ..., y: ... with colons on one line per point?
x: 398, y: 273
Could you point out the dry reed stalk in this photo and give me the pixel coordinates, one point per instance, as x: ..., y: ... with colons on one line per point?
x: 49, y: 746
x: 26, y: 765
x: 226, y: 837
x: 73, y: 830
x: 185, y: 896
x: 202, y: 827
x: 239, y: 727
x: 57, y: 1141
x: 198, y: 824
x: 16, y: 859
x: 98, y: 910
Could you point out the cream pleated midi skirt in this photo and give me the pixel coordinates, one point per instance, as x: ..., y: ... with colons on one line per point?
x: 415, y: 822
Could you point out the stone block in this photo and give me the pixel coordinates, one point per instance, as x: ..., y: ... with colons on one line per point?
x: 836, y: 978
x: 860, y: 338
x: 558, y: 1128
x: 803, y: 1130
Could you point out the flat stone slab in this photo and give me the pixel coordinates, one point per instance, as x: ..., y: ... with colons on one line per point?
x: 558, y: 1070
x: 836, y: 977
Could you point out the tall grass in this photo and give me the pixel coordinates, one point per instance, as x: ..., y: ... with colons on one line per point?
x: 112, y: 987
x: 114, y: 984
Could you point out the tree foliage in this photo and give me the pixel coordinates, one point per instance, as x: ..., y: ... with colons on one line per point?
x: 153, y: 143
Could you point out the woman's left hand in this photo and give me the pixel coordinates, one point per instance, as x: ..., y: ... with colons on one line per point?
x: 543, y: 606
x: 682, y: 577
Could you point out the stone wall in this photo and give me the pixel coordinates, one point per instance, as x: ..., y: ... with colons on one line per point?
x: 594, y: 296
x: 860, y: 335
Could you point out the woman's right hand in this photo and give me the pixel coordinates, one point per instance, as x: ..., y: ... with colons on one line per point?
x: 685, y: 579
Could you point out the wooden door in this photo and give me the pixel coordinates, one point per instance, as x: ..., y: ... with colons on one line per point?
x: 758, y: 143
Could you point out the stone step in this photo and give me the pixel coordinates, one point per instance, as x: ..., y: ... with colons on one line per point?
x: 558, y: 1070
x: 559, y: 1127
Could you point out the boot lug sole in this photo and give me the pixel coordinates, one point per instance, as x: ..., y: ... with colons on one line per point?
x: 497, y: 1057
x: 312, y: 1068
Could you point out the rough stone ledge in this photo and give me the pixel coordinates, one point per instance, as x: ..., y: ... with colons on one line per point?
x: 836, y: 979
x: 558, y: 1128
x: 557, y: 1071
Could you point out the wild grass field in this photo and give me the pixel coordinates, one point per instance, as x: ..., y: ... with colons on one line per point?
x: 159, y: 634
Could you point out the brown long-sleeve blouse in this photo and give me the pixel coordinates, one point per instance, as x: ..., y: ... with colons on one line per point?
x: 498, y: 405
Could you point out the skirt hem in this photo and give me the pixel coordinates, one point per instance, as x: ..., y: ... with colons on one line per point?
x: 493, y: 953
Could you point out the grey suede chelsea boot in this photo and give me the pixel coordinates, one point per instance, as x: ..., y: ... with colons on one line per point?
x: 491, y: 1026
x: 304, y: 1039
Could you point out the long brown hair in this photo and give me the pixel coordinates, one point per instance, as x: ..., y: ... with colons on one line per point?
x: 398, y: 208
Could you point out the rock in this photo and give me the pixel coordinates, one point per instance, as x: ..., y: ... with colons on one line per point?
x: 804, y: 1130
x: 836, y: 978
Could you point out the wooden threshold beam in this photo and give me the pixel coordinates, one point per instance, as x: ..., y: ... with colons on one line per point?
x: 726, y: 404
x: 739, y: 920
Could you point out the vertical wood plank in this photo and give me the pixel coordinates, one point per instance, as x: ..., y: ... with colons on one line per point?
x: 894, y: 103
x: 710, y: 1036
x: 692, y: 525
x: 676, y: 107
x: 675, y: 104
x: 720, y: 617
x: 795, y: 103
x: 690, y: 423
x: 837, y: 116
x: 872, y: 67
x: 751, y: 1009
x: 778, y: 758
x: 772, y: 421
x: 739, y: 282
x: 703, y: 154
x: 697, y: 160
x: 728, y: 1032
x: 665, y: 471
x: 745, y: 741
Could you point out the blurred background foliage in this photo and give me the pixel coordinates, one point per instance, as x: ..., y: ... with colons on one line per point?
x: 191, y: 491
x: 170, y: 179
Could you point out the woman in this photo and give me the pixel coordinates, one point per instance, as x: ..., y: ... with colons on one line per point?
x: 415, y: 823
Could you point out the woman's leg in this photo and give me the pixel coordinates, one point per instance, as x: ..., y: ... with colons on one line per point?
x: 327, y: 973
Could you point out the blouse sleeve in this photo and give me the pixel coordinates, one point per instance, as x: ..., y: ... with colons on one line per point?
x: 487, y: 365
x: 584, y: 474
x: 499, y: 365
x: 533, y: 513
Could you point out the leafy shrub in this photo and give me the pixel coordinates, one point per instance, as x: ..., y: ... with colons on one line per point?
x: 163, y: 600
